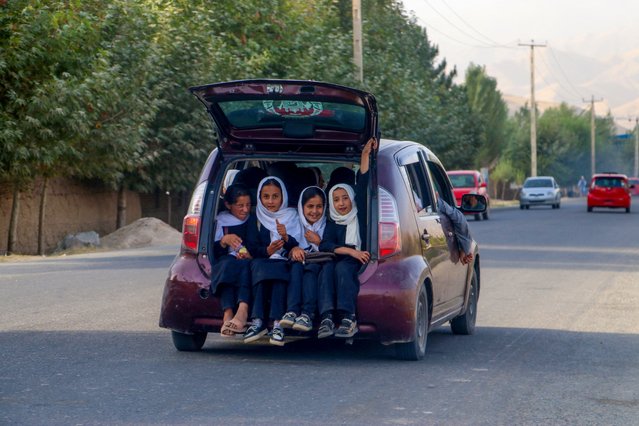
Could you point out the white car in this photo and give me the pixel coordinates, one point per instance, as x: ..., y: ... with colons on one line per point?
x: 540, y: 191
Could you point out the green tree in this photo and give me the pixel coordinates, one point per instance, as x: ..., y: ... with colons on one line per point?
x: 490, y: 112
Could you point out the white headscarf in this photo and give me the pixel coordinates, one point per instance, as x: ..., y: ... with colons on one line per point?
x: 349, y: 219
x: 229, y: 178
x: 226, y: 219
x: 317, y: 227
x: 285, y: 215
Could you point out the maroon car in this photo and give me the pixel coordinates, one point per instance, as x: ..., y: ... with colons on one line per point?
x: 414, y: 281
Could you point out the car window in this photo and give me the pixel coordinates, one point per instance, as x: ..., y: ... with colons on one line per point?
x: 609, y: 182
x: 418, y: 180
x: 538, y: 183
x: 462, y: 181
x: 440, y: 182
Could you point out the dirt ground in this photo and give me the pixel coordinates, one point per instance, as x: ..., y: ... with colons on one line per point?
x: 144, y: 232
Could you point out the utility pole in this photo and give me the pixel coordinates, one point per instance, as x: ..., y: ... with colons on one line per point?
x: 592, y: 132
x: 636, y: 147
x: 357, y: 41
x: 533, y: 108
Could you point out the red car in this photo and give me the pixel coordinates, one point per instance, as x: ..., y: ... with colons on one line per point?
x: 609, y: 190
x: 634, y: 185
x: 469, y: 182
x: 411, y: 285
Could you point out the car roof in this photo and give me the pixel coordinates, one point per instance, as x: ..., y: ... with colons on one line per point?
x: 540, y: 177
x: 610, y: 175
x: 462, y: 172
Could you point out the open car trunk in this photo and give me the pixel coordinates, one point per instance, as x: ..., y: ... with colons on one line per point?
x: 284, y: 116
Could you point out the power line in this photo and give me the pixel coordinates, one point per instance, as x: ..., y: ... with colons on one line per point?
x: 552, y: 53
x: 474, y: 29
x: 455, y: 26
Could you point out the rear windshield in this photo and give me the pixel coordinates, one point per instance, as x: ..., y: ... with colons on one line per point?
x: 609, y: 182
x: 462, y: 181
x: 247, y: 114
x: 538, y: 183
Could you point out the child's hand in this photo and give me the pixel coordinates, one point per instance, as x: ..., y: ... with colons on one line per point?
x: 281, y: 229
x: 231, y: 240
x: 465, y: 258
x: 298, y: 254
x: 312, y: 237
x: 274, y: 247
x: 371, y: 145
x: 243, y: 253
x: 362, y: 256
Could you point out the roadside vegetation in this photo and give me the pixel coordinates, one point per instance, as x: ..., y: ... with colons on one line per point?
x: 97, y: 91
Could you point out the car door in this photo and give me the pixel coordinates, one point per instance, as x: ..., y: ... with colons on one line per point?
x: 431, y: 235
x: 457, y: 272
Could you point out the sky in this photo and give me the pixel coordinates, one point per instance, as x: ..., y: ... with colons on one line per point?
x: 592, y: 46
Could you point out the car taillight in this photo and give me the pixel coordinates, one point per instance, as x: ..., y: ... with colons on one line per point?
x: 389, y: 241
x: 192, y: 220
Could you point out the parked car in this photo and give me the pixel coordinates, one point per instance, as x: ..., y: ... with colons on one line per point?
x: 634, y: 185
x: 540, y: 191
x: 412, y: 283
x: 469, y: 182
x: 609, y: 190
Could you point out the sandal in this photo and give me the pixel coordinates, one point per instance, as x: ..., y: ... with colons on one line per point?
x: 230, y: 329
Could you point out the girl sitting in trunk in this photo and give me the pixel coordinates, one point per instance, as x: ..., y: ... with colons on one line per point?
x: 270, y: 270
x: 302, y: 288
x: 345, y: 235
x: 230, y: 273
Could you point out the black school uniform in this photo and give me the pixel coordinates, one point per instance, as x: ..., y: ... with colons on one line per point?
x: 338, y: 280
x: 266, y: 272
x: 230, y: 277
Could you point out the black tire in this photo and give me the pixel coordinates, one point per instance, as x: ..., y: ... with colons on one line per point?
x: 627, y: 209
x: 465, y: 324
x: 521, y: 207
x: 484, y: 215
x: 477, y: 216
x: 415, y: 350
x: 188, y: 342
x: 589, y: 209
x: 527, y: 207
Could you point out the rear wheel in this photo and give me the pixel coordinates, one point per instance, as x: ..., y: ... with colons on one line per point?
x: 521, y: 207
x: 415, y: 350
x: 627, y: 209
x: 465, y: 324
x: 477, y: 216
x: 484, y: 215
x: 589, y: 209
x: 527, y: 207
x: 188, y: 342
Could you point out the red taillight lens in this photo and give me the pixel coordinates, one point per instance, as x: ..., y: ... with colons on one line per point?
x: 192, y: 220
x: 388, y: 237
x: 190, y: 232
x: 389, y: 242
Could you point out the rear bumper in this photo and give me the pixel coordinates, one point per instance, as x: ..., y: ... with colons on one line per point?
x: 539, y: 201
x: 385, y: 305
x: 611, y: 202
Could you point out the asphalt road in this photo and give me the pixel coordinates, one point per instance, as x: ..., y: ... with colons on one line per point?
x: 557, y: 343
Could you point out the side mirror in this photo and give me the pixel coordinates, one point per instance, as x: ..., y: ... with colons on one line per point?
x: 473, y: 203
x: 483, y: 185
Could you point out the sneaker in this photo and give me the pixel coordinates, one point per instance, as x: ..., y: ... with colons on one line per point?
x: 277, y: 336
x: 288, y: 320
x: 326, y: 328
x: 254, y: 332
x: 302, y: 323
x: 347, y: 328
